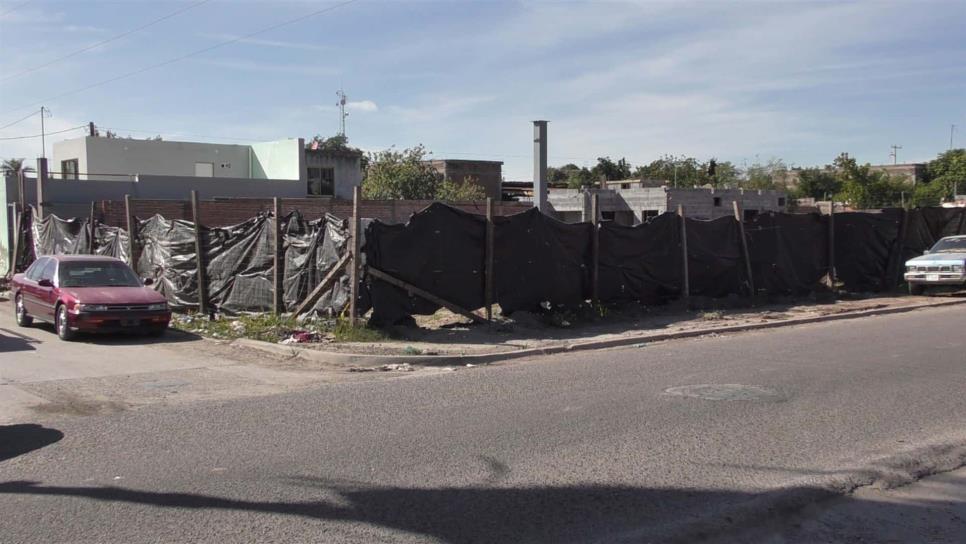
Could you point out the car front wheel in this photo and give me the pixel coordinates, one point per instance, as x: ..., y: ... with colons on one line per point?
x: 23, y: 319
x: 63, y: 330
x: 917, y: 289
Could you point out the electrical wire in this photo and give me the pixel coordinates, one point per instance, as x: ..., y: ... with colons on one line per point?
x: 190, y: 54
x: 103, y: 42
x: 44, y: 134
x: 19, y: 120
x: 15, y: 8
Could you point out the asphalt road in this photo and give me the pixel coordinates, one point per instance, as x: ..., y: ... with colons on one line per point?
x: 580, y: 447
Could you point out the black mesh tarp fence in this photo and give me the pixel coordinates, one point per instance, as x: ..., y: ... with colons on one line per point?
x: 539, y: 262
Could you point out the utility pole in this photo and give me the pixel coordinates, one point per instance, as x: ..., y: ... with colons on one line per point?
x: 43, y: 138
x: 895, y: 153
x: 342, y: 113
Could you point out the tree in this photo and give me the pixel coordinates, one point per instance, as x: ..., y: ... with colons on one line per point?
x: 406, y: 175
x: 339, y: 142
x: 818, y: 183
x: 945, y: 176
x: 465, y: 190
x: 772, y: 175
x: 393, y: 175
x: 864, y: 188
x: 677, y: 171
x: 11, y: 167
x: 606, y: 169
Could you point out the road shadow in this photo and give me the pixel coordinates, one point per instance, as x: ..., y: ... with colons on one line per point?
x: 170, y: 336
x: 13, y: 341
x: 576, y: 513
x: 19, y: 439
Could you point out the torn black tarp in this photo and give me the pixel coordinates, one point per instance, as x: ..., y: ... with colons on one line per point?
x: 640, y: 263
x: 789, y: 252
x: 439, y: 250
x: 312, y: 249
x: 56, y: 236
x: 167, y: 255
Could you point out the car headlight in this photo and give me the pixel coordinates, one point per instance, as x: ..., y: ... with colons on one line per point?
x: 92, y: 307
x: 957, y: 268
x: 910, y: 268
x: 159, y: 306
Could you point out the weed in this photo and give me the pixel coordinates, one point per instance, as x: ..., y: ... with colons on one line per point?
x: 344, y: 332
x: 712, y: 316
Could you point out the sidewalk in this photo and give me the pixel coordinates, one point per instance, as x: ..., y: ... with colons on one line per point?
x: 449, y: 339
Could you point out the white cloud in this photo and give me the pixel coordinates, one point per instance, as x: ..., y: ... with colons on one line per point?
x: 362, y: 105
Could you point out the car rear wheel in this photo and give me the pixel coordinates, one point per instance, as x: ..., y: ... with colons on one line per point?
x: 917, y: 289
x: 63, y: 330
x: 23, y: 319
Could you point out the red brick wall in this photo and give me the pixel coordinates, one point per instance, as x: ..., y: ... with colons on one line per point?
x: 220, y: 213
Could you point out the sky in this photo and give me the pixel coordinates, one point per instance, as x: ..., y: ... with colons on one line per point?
x: 739, y: 81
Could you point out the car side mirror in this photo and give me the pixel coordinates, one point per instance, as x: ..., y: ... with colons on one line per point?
x: 148, y: 281
x: 45, y: 283
x: 927, y: 252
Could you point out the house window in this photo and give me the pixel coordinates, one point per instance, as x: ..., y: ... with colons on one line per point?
x: 607, y: 216
x: 69, y: 169
x: 204, y: 169
x: 648, y: 215
x: 750, y: 214
x: 625, y: 185
x: 781, y: 202
x: 717, y: 202
x: 321, y: 181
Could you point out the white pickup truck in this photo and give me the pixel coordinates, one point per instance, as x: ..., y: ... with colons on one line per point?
x: 943, y: 265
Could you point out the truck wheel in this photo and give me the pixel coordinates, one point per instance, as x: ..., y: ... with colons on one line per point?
x: 917, y: 289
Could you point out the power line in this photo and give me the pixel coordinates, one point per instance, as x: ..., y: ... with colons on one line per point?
x: 44, y: 134
x: 189, y: 55
x: 15, y: 8
x: 106, y: 41
x: 18, y: 120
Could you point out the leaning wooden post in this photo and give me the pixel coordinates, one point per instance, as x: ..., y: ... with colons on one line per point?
x: 199, y: 257
x: 131, y: 232
x: 91, y: 242
x: 356, y: 230
x: 488, y: 270
x: 831, y: 245
x: 685, y: 276
x: 595, y: 249
x: 744, y: 247
x: 278, y: 306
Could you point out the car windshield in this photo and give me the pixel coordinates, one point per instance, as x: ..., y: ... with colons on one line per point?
x: 97, y: 274
x: 949, y: 245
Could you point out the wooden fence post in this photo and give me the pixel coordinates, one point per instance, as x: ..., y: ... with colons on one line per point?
x: 899, y: 266
x: 17, y: 225
x: 354, y: 264
x: 831, y: 245
x: 686, y: 278
x: 22, y: 190
x: 488, y: 270
x: 278, y: 305
x: 131, y: 233
x: 91, y: 242
x: 595, y: 249
x: 744, y: 247
x: 199, y: 257
x: 962, y: 222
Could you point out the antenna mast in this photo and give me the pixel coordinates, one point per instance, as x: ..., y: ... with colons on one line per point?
x: 342, y: 113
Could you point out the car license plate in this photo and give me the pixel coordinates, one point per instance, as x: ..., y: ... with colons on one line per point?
x: 932, y: 277
x: 130, y: 322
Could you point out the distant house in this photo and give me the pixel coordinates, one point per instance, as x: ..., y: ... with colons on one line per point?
x: 486, y: 174
x: 232, y: 167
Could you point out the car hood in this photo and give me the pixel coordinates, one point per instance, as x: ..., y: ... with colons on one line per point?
x: 939, y: 258
x: 115, y: 295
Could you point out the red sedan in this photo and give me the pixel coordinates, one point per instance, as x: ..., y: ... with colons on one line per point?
x: 86, y: 293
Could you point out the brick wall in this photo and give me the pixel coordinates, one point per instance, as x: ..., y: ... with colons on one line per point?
x: 219, y: 213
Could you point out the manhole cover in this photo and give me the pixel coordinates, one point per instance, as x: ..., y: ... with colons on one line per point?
x: 726, y: 391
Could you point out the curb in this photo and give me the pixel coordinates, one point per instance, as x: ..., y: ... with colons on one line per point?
x: 349, y: 360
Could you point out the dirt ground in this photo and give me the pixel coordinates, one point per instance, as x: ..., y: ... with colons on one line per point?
x: 446, y: 333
